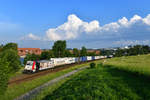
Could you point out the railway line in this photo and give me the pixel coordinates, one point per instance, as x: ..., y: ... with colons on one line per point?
x: 28, y: 77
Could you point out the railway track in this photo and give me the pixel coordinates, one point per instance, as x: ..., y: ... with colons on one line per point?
x: 28, y: 77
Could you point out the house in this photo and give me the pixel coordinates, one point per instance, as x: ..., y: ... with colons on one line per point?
x: 22, y: 52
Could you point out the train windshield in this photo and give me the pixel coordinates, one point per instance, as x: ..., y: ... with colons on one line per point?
x: 29, y: 63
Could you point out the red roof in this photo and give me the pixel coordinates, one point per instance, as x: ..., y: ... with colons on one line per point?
x: 29, y: 49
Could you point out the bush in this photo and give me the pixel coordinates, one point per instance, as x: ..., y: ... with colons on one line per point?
x: 12, y: 57
x: 100, y: 64
x: 4, y: 76
x: 92, y: 65
x: 9, y: 63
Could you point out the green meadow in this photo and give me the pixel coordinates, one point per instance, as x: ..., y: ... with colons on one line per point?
x: 124, y: 78
x: 137, y: 64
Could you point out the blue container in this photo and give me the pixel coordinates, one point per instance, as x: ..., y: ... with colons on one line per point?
x: 80, y: 59
x: 76, y: 59
x: 83, y: 59
x: 93, y: 57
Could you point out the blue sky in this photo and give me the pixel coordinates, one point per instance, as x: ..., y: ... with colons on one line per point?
x: 92, y: 23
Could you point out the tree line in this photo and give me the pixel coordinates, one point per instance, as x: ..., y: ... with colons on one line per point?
x: 133, y: 50
x: 59, y: 49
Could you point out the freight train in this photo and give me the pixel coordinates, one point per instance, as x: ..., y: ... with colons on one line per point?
x: 34, y: 66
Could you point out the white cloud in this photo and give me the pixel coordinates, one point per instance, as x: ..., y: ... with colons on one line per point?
x: 72, y: 29
x: 31, y: 36
x: 123, y: 21
x: 147, y: 19
x: 93, y: 26
x: 112, y: 27
x: 75, y: 28
x: 135, y: 18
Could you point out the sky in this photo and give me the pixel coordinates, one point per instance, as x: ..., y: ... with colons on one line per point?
x: 89, y: 23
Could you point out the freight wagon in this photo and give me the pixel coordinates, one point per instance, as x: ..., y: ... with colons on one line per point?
x: 89, y: 58
x: 59, y: 61
x: 33, y: 66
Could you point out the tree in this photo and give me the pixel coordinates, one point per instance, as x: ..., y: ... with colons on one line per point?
x: 4, y: 75
x: 119, y: 53
x: 46, y: 55
x: 91, y: 54
x: 31, y: 57
x: 75, y: 52
x: 106, y: 52
x: 83, y: 51
x: 13, y: 46
x: 1, y: 46
x: 133, y: 50
x: 12, y: 58
x: 9, y: 63
x: 10, y: 53
x: 68, y: 54
x: 146, y: 49
x: 59, y: 48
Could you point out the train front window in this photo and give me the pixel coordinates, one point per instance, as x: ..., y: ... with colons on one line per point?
x: 29, y: 63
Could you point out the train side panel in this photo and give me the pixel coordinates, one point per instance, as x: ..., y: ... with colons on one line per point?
x: 59, y: 61
x: 89, y: 58
x: 83, y: 59
x: 45, y: 64
x: 93, y: 57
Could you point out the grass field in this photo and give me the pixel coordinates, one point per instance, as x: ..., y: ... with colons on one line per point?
x: 19, y: 89
x: 125, y: 78
x: 137, y: 64
x: 53, y: 87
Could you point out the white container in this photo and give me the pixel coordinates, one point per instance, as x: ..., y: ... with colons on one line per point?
x: 97, y: 57
x: 89, y: 58
x: 45, y: 64
x: 58, y: 61
x: 70, y: 60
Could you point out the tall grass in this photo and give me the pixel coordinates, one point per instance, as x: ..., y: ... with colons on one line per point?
x: 103, y: 83
x: 138, y: 64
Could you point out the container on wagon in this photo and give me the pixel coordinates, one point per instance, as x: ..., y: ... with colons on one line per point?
x: 83, y: 59
x: 89, y: 58
x: 72, y: 60
x: 77, y: 59
x: 97, y: 57
x: 93, y: 57
x: 58, y: 61
x: 44, y: 64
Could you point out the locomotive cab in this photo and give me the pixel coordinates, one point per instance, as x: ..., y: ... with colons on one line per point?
x: 31, y: 66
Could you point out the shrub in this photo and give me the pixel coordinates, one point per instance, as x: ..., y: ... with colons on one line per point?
x: 4, y: 76
x: 92, y: 65
x: 12, y: 57
x: 100, y: 64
